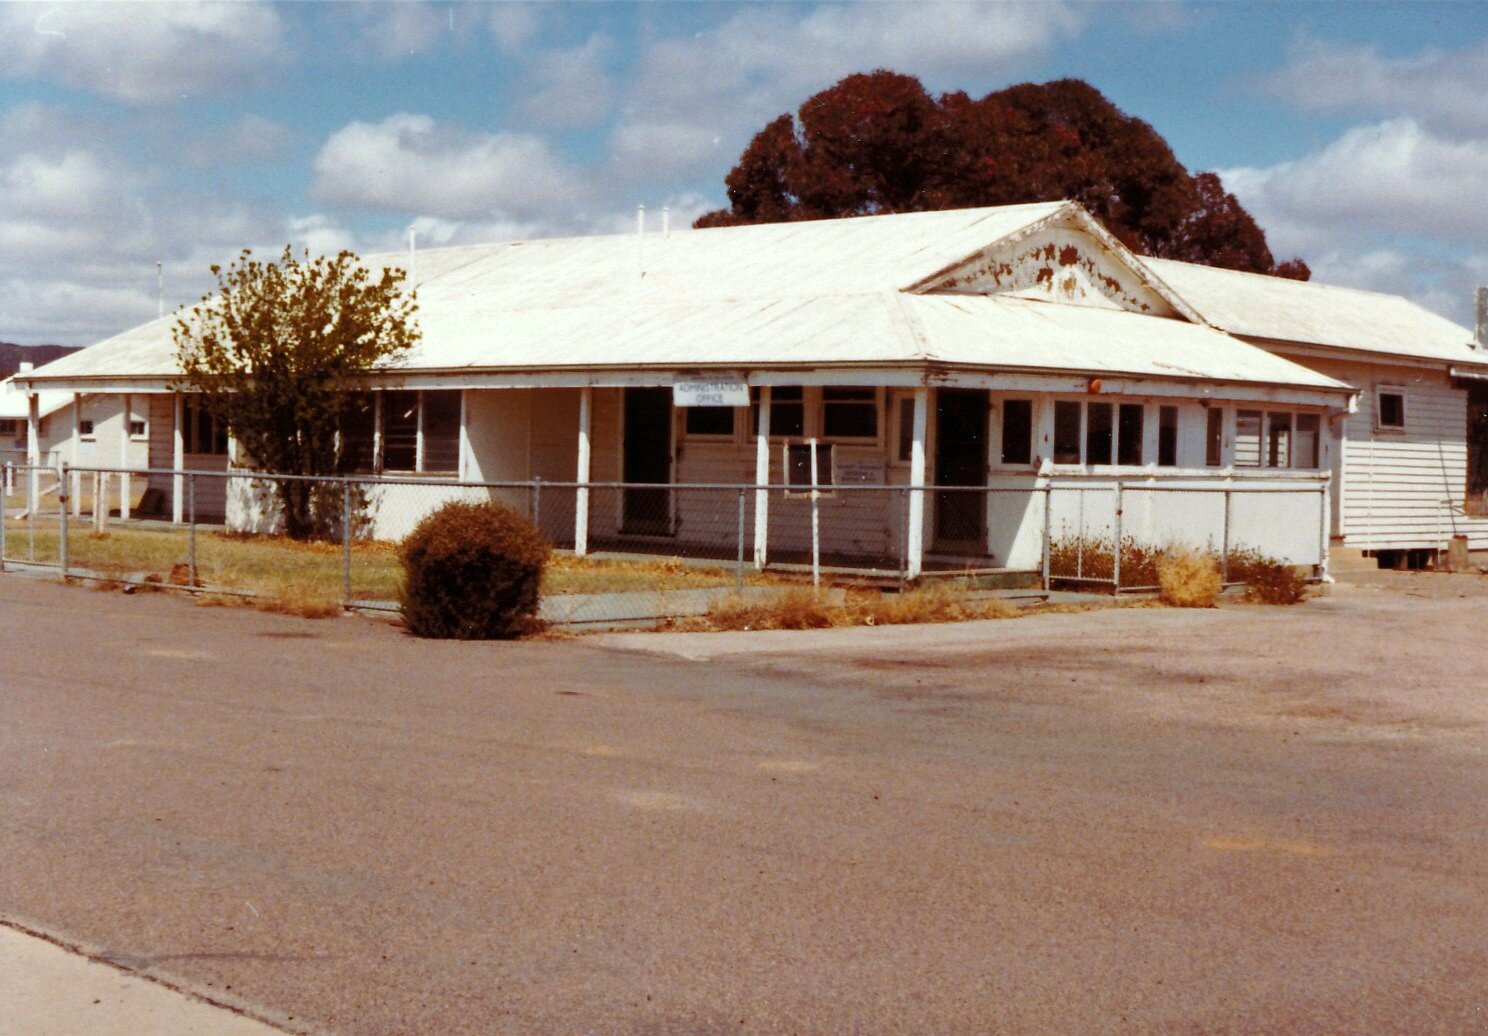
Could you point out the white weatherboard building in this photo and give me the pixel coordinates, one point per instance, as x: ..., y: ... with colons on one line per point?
x: 997, y: 348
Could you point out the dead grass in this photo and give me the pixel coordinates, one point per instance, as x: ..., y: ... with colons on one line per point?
x: 1188, y: 579
x: 803, y: 608
x: 278, y: 567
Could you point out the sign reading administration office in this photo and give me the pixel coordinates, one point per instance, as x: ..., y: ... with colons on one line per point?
x: 710, y: 392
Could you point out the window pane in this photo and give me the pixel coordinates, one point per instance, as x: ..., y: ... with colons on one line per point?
x: 442, y: 431
x: 1305, y: 444
x: 1098, y: 433
x: 1278, y: 440
x: 1129, y: 433
x: 399, y: 431
x: 1017, y: 431
x: 1248, y: 438
x: 1066, y: 432
x: 1391, y: 410
x: 850, y: 412
x: 787, y: 412
x: 798, y: 464
x: 906, y: 428
x: 1214, y: 439
x: 709, y: 420
x: 85, y: 429
x: 356, y: 433
x: 1167, y: 437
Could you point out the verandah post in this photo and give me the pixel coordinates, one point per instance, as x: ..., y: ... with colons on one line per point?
x: 581, y: 495
x: 915, y: 560
x: 178, y: 454
x: 762, y: 480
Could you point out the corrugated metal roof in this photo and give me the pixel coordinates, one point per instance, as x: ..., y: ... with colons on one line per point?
x: 1306, y: 312
x: 13, y: 400
x: 1010, y: 334
x: 776, y: 295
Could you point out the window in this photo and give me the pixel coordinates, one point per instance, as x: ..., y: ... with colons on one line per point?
x: 798, y: 464
x: 138, y: 428
x: 1278, y: 440
x: 9, y: 426
x: 714, y: 421
x: 850, y: 413
x: 1214, y: 438
x: 1067, y: 432
x: 787, y: 412
x: 1099, y: 434
x: 1389, y: 411
x: 1167, y: 437
x: 358, y: 433
x: 1247, y: 438
x: 441, y: 432
x: 85, y: 429
x: 1017, y: 431
x: 400, y: 431
x: 1306, y: 452
x: 204, y: 433
x: 1130, y: 419
x: 906, y: 428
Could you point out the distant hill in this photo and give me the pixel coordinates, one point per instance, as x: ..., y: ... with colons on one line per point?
x: 12, y: 356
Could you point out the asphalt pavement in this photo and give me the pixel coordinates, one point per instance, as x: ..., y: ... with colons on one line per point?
x: 1130, y: 820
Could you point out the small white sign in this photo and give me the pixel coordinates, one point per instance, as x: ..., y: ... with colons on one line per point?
x: 710, y: 392
x: 859, y: 472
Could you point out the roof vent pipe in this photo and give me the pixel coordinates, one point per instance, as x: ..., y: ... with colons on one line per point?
x: 1482, y: 330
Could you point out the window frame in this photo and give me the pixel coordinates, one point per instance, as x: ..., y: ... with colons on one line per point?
x: 1380, y: 392
x: 1115, y: 404
x: 732, y: 435
x: 87, y: 430
x: 875, y: 399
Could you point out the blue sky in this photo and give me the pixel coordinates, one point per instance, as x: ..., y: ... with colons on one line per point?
x: 1356, y: 133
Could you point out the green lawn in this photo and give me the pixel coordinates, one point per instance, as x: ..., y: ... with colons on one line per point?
x: 277, y: 567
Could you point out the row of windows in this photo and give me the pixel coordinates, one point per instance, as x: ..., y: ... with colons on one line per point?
x: 1086, y: 432
x: 420, y: 432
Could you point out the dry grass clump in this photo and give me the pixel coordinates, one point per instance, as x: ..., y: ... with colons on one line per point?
x: 804, y: 608
x: 1188, y: 579
x: 796, y: 609
x: 300, y: 601
x: 1267, y: 580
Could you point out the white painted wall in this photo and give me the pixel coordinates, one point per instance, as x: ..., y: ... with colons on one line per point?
x: 1393, y: 483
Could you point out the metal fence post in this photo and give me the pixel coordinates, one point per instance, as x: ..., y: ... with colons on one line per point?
x: 1323, y: 532
x: 191, y: 529
x: 62, y: 517
x: 1048, y: 528
x: 1116, y: 548
x: 740, y: 578
x: 537, y: 502
x: 1224, y: 547
x: 346, y: 544
x: 903, y: 538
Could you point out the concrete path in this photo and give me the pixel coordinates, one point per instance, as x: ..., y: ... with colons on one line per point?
x: 47, y: 991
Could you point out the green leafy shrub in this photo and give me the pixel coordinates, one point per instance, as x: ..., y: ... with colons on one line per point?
x: 472, y: 572
x: 1267, y: 580
x: 1188, y: 579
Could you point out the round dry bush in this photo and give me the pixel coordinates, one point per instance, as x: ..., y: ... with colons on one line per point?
x: 1188, y: 579
x: 472, y: 572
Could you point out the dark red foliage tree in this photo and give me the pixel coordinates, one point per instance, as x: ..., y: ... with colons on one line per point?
x: 878, y: 142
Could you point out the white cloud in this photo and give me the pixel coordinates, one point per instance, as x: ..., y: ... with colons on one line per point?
x: 513, y: 25
x: 702, y: 96
x: 1388, y: 207
x: 1392, y: 176
x: 568, y: 87
x: 410, y: 164
x: 1443, y: 90
x: 392, y: 30
x: 250, y: 140
x: 141, y: 53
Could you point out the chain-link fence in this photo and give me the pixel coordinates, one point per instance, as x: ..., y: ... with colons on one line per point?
x: 633, y: 552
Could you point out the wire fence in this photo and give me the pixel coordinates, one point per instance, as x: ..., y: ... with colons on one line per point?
x: 629, y: 552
